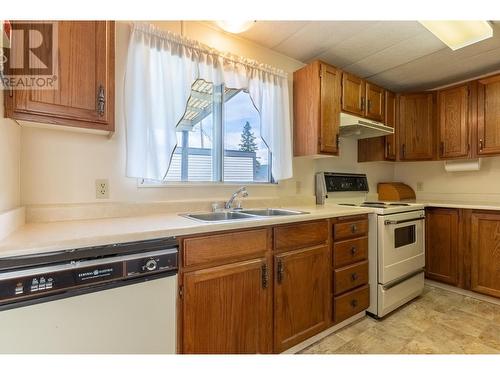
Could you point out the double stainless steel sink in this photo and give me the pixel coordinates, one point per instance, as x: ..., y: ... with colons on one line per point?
x: 242, y: 214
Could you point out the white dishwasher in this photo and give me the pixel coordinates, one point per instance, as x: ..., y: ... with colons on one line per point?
x: 113, y: 299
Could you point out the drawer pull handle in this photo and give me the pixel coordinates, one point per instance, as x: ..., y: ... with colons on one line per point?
x: 354, y: 250
x: 354, y: 228
x: 354, y: 303
x: 354, y: 276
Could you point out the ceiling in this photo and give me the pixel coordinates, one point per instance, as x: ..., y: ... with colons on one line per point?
x: 399, y: 55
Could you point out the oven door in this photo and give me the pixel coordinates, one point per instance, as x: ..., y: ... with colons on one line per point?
x: 401, y: 245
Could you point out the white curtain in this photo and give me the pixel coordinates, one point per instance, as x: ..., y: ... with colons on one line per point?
x: 162, y: 66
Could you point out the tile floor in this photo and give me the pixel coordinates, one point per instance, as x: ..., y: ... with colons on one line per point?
x: 438, y: 322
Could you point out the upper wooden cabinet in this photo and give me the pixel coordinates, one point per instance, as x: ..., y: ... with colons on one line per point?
x: 453, y: 122
x: 488, y: 116
x: 85, y: 94
x: 390, y: 120
x: 442, y: 245
x: 416, y: 126
x: 316, y: 109
x: 375, y: 102
x: 353, y: 94
x: 384, y: 147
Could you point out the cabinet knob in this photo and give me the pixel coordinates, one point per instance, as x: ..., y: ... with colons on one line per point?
x: 354, y: 303
x: 354, y: 250
x: 480, y: 145
x: 354, y: 276
x: 354, y: 228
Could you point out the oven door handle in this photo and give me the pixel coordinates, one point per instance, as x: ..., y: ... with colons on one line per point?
x: 393, y: 222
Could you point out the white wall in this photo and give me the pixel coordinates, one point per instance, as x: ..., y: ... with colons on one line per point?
x: 482, y: 185
x: 10, y: 154
x: 61, y: 167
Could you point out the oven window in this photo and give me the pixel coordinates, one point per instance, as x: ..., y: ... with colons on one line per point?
x: 404, y: 236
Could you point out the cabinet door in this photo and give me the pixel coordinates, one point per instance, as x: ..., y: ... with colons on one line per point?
x: 302, y: 295
x: 228, y: 309
x: 375, y: 102
x: 390, y: 120
x: 453, y: 122
x: 353, y: 94
x: 488, y: 116
x: 85, y: 72
x: 442, y: 242
x: 416, y: 126
x: 485, y: 253
x: 330, y: 109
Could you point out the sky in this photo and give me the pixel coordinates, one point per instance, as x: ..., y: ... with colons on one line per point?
x: 238, y: 110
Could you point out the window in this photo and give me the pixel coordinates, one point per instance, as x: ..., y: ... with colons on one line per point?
x: 218, y: 139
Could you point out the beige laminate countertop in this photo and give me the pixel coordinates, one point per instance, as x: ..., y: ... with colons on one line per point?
x: 460, y: 204
x: 38, y: 238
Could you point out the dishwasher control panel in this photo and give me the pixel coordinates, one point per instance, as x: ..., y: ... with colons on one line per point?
x: 29, y: 283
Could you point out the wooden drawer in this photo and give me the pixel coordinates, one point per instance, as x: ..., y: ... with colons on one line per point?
x: 350, y: 251
x: 225, y: 247
x: 350, y: 277
x: 351, y: 303
x: 297, y: 236
x: 350, y: 229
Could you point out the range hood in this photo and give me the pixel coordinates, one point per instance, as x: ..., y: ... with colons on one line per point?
x: 357, y: 127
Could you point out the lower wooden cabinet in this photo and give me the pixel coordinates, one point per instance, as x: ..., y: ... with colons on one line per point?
x: 267, y: 289
x: 485, y: 252
x: 442, y: 244
x: 228, y: 309
x: 301, y: 295
x: 463, y: 248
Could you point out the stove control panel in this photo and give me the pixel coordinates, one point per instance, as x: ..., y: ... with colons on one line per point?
x: 337, y: 182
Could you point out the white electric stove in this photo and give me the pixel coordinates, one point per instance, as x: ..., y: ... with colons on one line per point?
x: 396, y: 240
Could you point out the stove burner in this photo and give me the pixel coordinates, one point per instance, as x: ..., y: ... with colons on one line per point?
x: 347, y: 204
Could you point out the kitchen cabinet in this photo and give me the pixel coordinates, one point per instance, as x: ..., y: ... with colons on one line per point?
x: 390, y: 120
x: 453, y: 122
x: 316, y: 104
x: 384, y: 147
x: 442, y: 245
x: 302, y: 291
x: 228, y: 309
x: 350, y: 267
x: 267, y: 289
x: 417, y: 126
x: 485, y: 252
x: 488, y: 116
x: 375, y: 102
x: 85, y: 78
x: 353, y: 94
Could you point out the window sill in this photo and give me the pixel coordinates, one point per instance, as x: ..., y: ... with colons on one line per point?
x: 176, y: 184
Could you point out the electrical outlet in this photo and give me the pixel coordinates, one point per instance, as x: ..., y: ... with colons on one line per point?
x: 102, y: 189
x: 420, y: 186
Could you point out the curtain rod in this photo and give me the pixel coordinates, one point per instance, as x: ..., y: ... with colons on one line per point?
x: 182, y: 40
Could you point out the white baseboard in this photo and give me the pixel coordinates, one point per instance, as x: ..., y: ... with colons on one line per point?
x: 464, y: 292
x: 304, y: 344
x: 11, y: 220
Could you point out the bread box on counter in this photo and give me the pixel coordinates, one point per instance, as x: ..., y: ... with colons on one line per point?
x: 395, y: 191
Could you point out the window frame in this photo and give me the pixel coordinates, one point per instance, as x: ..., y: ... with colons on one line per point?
x: 218, y: 150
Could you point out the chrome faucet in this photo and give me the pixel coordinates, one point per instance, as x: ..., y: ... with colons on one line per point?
x: 244, y: 193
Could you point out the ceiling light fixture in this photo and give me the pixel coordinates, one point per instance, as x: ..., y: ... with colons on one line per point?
x: 235, y: 27
x: 459, y: 34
